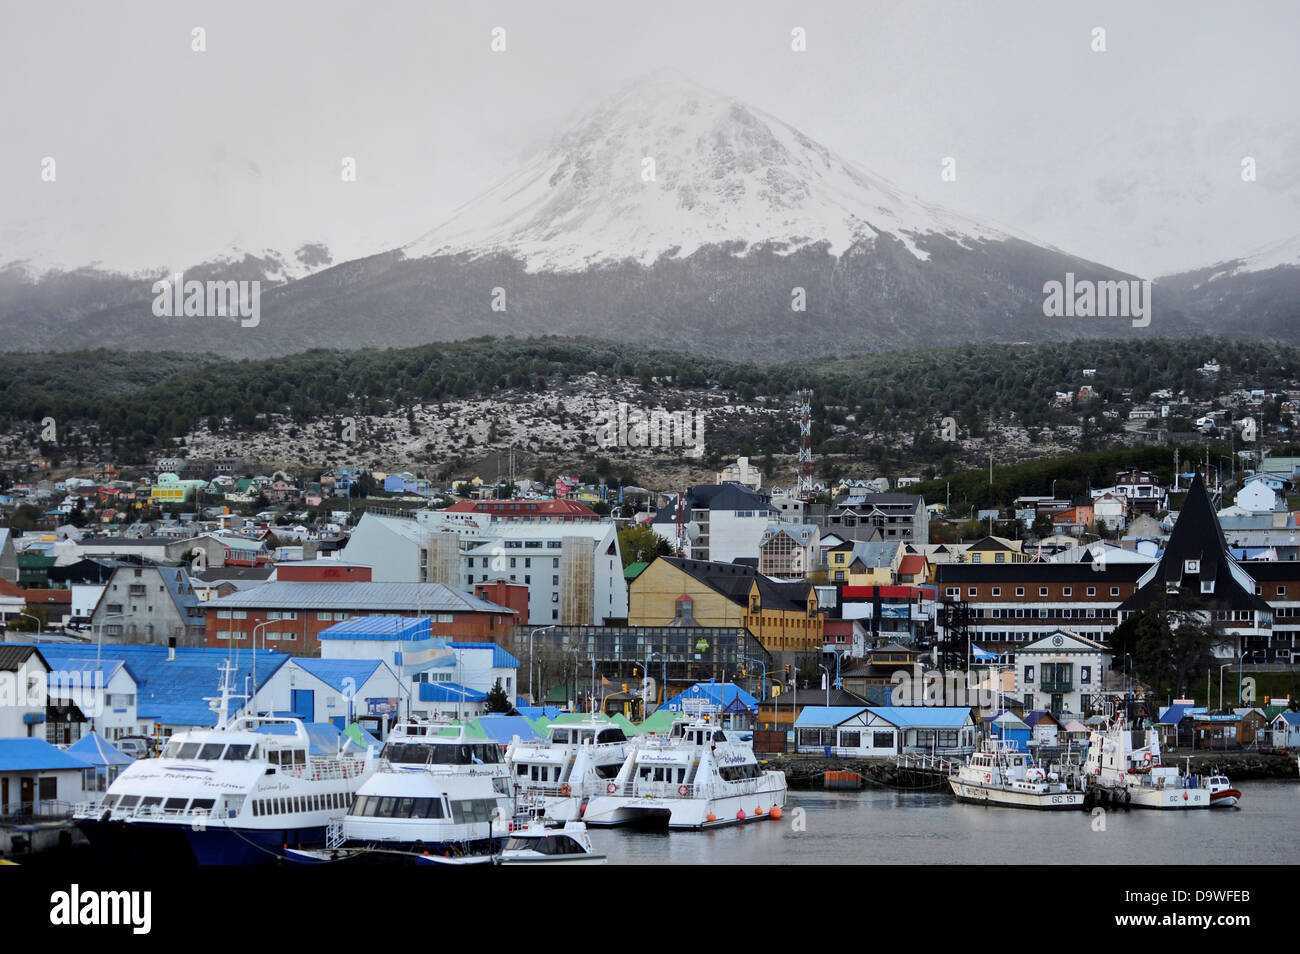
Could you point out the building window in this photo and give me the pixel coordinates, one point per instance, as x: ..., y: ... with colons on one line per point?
x: 1066, y: 591
x: 1092, y: 591
x: 1029, y: 674
x: 1020, y: 591
x: 882, y: 740
x: 1114, y: 591
x: 1042, y: 591
x: 1085, y: 674
x: 997, y: 591
x: 972, y: 591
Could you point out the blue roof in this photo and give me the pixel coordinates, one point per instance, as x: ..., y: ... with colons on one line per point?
x: 94, y: 749
x: 923, y: 717
x: 828, y: 715
x: 1292, y: 718
x: 503, y: 728
x: 333, y: 672
x: 172, y: 692
x: 538, y: 712
x: 729, y: 696
x: 35, y: 755
x: 1172, y: 715
x: 405, y: 628
x: 500, y: 658
x: 449, y: 692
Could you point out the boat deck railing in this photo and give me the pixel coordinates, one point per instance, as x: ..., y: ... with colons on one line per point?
x: 326, y: 770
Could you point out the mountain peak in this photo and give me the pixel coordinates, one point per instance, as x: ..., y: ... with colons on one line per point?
x: 665, y: 167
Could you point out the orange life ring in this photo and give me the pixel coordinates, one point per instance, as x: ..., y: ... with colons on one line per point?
x: 988, y: 777
x: 682, y: 790
x: 612, y: 787
x: 1147, y: 758
x: 565, y: 789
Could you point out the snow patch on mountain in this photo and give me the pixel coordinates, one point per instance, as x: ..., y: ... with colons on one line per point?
x: 667, y: 167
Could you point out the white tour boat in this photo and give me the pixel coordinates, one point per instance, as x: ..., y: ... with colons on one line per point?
x: 437, y: 796
x: 240, y: 793
x: 555, y: 778
x: 1123, y: 767
x: 698, y: 776
x: 535, y: 843
x: 1000, y: 774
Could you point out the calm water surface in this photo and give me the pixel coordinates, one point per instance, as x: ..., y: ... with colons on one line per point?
x: 877, y: 826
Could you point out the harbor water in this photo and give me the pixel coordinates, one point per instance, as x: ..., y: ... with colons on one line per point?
x: 879, y: 826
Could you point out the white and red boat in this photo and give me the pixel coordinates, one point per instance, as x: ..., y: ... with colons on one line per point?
x: 1222, y: 794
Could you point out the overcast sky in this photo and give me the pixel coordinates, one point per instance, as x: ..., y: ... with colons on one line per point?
x: 1131, y: 156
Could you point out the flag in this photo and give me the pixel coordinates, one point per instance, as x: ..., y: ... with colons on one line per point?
x: 604, y: 681
x: 425, y: 654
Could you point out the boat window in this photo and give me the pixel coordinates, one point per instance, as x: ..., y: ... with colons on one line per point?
x: 110, y: 801
x: 284, y: 805
x: 129, y: 801
x: 300, y: 756
x: 175, y: 804
x: 257, y: 808
x: 237, y: 753
x: 559, y: 735
x: 404, y: 806
x: 719, y: 736
x: 211, y: 751
x: 385, y: 809
x: 521, y: 770
x: 473, y: 811
x: 171, y: 750
x: 151, y: 801
x: 611, y: 736
x: 189, y: 750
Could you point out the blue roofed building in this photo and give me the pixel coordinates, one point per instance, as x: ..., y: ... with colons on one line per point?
x: 334, y: 690
x: 35, y: 775
x: 884, y: 731
x: 727, y: 699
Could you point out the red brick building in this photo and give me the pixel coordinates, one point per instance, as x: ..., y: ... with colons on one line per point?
x: 288, y: 615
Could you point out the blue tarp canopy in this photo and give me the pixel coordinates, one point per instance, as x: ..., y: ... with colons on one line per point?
x: 324, y: 737
x: 94, y: 749
x: 726, y: 696
x: 502, y: 728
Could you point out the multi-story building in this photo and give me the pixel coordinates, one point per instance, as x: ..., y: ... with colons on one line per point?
x: 149, y: 604
x: 876, y: 516
x: 782, y: 617
x: 1061, y: 673
x: 291, y: 616
x: 730, y: 521
x: 789, y: 550
x: 573, y: 568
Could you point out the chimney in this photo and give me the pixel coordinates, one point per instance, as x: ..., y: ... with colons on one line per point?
x: 171, y: 648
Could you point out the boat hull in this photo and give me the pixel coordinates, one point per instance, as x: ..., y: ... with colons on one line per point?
x: 606, y: 811
x: 991, y: 795
x: 1227, y: 798
x: 140, y: 842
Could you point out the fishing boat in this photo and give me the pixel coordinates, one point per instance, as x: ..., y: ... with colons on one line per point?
x: 243, y: 792
x: 437, y: 796
x: 536, y: 843
x: 698, y: 776
x: 1000, y: 774
x: 555, y: 778
x: 1123, y: 767
x: 1222, y: 792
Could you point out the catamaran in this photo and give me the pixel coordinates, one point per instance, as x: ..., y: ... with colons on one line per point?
x: 437, y: 796
x: 243, y: 792
x: 557, y: 777
x: 698, y: 776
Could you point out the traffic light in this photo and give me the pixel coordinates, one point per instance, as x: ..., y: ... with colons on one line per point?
x: 787, y: 670
x: 743, y: 674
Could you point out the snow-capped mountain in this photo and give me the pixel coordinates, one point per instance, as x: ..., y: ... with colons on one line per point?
x: 667, y: 167
x: 1258, y: 293
x: 669, y: 214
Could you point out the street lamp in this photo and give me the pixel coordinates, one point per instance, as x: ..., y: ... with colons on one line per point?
x: 39, y: 631
x: 763, y: 683
x: 828, y: 685
x: 645, y: 680
x: 530, y: 660
x: 1240, y: 666
x: 1221, y: 668
x: 256, y: 626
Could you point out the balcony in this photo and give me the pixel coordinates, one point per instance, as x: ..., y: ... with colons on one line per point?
x: 1057, y: 685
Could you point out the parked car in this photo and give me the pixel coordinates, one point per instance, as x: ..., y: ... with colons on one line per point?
x: 136, y: 746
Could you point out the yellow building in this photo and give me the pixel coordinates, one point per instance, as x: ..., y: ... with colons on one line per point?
x: 854, y: 563
x: 783, y: 617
